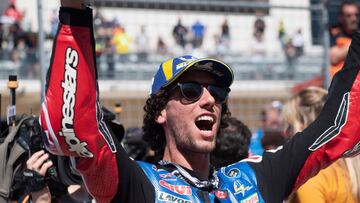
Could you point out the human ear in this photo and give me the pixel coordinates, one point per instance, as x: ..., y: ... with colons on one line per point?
x: 161, y: 118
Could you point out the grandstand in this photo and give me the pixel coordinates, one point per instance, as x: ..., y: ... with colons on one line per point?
x: 264, y: 71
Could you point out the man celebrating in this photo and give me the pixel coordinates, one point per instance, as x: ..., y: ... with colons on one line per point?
x: 183, y: 114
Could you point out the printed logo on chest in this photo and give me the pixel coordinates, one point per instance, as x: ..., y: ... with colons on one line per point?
x: 165, y: 197
x: 178, y: 189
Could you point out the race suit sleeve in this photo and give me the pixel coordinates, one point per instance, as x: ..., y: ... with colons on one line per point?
x: 334, y: 134
x: 71, y: 116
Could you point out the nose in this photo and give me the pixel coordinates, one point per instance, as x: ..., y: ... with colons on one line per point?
x: 206, y: 99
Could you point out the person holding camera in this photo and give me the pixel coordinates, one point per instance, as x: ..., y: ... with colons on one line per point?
x: 43, y: 187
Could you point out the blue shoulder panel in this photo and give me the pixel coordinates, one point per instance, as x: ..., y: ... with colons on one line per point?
x: 237, y: 184
x: 240, y: 181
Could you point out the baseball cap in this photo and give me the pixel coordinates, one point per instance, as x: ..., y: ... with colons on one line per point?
x: 173, y: 68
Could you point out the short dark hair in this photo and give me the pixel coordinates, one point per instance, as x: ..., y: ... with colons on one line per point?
x: 153, y: 132
x: 272, y: 139
x: 232, y: 143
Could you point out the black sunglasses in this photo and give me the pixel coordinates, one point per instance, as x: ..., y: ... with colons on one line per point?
x: 192, y: 91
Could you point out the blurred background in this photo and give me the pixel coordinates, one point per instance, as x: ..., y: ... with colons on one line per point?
x: 276, y: 48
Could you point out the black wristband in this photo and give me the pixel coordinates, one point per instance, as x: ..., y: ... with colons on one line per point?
x: 34, y: 181
x: 76, y: 17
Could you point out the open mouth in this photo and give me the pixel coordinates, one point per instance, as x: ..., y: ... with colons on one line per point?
x: 205, y: 123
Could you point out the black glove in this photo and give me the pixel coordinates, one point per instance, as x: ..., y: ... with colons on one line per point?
x: 34, y: 181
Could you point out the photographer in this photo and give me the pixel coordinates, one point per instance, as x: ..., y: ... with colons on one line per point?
x: 43, y: 189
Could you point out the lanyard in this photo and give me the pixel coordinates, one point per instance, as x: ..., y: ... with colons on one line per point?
x: 181, y: 173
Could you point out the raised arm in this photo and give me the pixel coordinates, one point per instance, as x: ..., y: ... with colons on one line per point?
x: 334, y: 134
x: 71, y: 115
x: 337, y: 54
x: 72, y: 118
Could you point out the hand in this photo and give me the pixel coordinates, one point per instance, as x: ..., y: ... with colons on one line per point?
x: 39, y: 162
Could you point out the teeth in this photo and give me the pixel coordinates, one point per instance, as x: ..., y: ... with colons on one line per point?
x: 205, y: 118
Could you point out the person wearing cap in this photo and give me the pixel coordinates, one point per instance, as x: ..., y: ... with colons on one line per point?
x: 183, y: 113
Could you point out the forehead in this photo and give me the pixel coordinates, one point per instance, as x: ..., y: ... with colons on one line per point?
x: 198, y: 76
x: 349, y: 8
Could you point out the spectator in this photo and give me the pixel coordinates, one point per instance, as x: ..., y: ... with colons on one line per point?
x: 258, y: 49
x: 142, y: 44
x: 31, y: 62
x: 161, y: 47
x: 232, y: 143
x: 291, y: 58
x: 198, y: 31
x: 282, y: 33
x: 122, y: 42
x: 221, y: 47
x: 272, y: 139
x: 304, y: 107
x: 109, y: 52
x: 270, y: 118
x: 53, y: 24
x: 13, y: 13
x: 225, y: 30
x: 340, y: 35
x: 340, y: 181
x: 222, y: 42
x: 259, y: 26
x: 15, y: 32
x: 179, y: 33
x: 298, y: 42
x: 99, y: 20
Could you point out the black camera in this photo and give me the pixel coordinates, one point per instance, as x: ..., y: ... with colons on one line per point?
x: 31, y: 138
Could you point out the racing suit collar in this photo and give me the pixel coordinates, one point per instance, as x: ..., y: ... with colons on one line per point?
x: 191, y: 177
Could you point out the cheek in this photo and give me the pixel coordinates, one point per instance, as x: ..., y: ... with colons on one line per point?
x: 218, y: 109
x: 176, y: 111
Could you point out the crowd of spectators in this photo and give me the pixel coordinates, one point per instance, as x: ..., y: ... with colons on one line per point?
x: 292, y: 45
x: 114, y: 44
x: 112, y: 38
x: 18, y: 43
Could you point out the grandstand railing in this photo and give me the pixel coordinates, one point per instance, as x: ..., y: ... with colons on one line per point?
x: 129, y: 67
